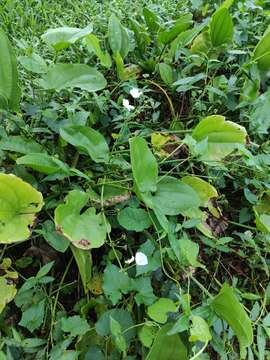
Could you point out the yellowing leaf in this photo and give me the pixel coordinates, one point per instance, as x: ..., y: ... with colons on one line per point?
x: 19, y: 203
x: 7, y: 285
x: 85, y: 230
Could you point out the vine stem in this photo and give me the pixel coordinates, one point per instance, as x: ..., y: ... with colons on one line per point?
x: 199, y: 352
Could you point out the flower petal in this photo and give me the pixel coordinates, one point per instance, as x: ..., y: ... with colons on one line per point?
x: 141, y: 259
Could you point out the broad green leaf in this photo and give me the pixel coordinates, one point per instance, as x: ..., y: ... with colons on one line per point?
x: 19, y: 203
x: 7, y: 283
x: 123, y: 317
x: 10, y: 92
x: 228, y: 308
x: 160, y: 309
x: 143, y: 287
x: 34, y: 63
x: 202, y: 43
x: 226, y: 4
x: 85, y: 230
x: 166, y: 73
x: 199, y: 330
x: 20, y: 145
x: 87, y: 140
x: 262, y: 214
x: 60, y: 38
x: 75, y: 325
x: 84, y: 262
x: 32, y: 318
x: 117, y: 336
x: 144, y: 165
x: 43, y: 163
x: 147, y: 334
x: 92, y: 44
x: 56, y: 240
x: 187, y: 83
x: 151, y: 19
x: 118, y: 37
x: 262, y: 51
x: 70, y: 76
x: 167, y: 347
x: 189, y: 251
x: 182, y: 24
x: 221, y: 27
x: 204, y: 190
x: 134, y: 219
x: 172, y: 197
x: 115, y: 283
x: 223, y: 137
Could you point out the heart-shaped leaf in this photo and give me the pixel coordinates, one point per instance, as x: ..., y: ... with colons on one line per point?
x: 19, y: 203
x: 222, y: 137
x: 85, y: 230
x: 70, y: 76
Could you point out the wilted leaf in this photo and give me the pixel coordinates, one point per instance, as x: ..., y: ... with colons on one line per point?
x: 84, y: 262
x: 70, y: 76
x: 19, y: 204
x: 85, y: 230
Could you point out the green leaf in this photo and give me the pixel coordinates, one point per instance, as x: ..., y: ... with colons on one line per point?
x: 19, y: 204
x: 182, y: 24
x: 85, y: 264
x: 10, y: 92
x: 123, y: 317
x: 221, y: 27
x: 87, y: 140
x: 60, y: 38
x: 151, y: 19
x: 228, y: 308
x: 32, y: 318
x: 43, y: 163
x: 70, y: 76
x: 118, y: 37
x: 189, y: 251
x: 223, y: 137
x: 92, y: 44
x: 182, y: 324
x: 204, y: 190
x: 85, y: 230
x: 166, y: 73
x: 144, y: 165
x: 262, y: 214
x: 134, y: 219
x: 160, y: 309
x: 7, y: 283
x: 56, y: 240
x: 199, y: 330
x: 262, y: 52
x: 147, y: 334
x: 115, y: 283
x: 75, y: 325
x: 186, y: 83
x: 172, y: 197
x: 143, y: 287
x: 118, y: 338
x: 167, y: 347
x: 20, y: 145
x: 34, y: 63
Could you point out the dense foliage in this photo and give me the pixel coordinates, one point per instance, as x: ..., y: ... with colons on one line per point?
x: 135, y: 182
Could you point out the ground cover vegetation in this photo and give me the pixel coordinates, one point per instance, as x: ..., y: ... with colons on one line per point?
x: 135, y: 182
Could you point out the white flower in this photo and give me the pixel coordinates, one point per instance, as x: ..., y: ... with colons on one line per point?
x: 127, y: 105
x: 140, y: 259
x: 135, y: 93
